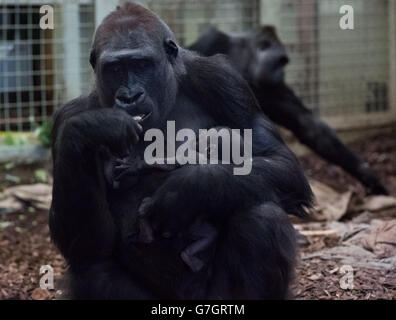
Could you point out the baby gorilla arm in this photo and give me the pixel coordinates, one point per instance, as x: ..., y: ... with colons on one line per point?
x: 129, y: 173
x: 201, y: 233
x: 205, y: 235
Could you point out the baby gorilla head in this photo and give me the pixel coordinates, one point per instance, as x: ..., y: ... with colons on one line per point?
x: 217, y: 145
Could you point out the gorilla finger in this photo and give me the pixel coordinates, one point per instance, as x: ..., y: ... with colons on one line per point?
x: 146, y: 232
x: 122, y: 167
x: 118, y: 170
x: 138, y: 127
x: 119, y: 175
x: 120, y: 161
x: 192, y: 262
x: 145, y: 206
x: 135, y: 130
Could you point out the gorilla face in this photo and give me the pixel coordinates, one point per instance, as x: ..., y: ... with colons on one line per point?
x: 270, y: 56
x: 259, y: 56
x: 136, y: 74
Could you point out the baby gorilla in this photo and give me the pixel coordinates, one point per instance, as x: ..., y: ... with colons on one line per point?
x: 130, y: 173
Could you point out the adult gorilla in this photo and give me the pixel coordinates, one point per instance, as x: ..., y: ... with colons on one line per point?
x: 144, y: 79
x: 261, y: 58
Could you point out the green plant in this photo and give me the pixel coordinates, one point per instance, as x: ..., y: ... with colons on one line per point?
x: 44, y: 134
x: 14, y: 139
x: 40, y: 175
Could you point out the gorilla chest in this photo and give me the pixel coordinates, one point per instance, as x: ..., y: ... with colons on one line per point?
x: 189, y: 115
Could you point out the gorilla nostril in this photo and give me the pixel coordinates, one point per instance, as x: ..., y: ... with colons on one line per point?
x: 128, y: 99
x: 283, y: 60
x: 124, y: 99
x: 137, y: 96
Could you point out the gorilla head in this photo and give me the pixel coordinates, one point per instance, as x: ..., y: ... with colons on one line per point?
x: 269, y: 56
x: 257, y: 54
x: 136, y: 66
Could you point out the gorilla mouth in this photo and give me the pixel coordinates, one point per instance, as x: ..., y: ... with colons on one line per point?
x: 141, y: 117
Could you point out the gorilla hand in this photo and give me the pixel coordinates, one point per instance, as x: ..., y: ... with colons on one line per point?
x: 197, y: 240
x: 370, y: 180
x: 173, y: 208
x: 126, y: 173
x: 112, y: 128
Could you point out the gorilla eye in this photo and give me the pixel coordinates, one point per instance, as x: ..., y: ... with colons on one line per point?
x: 141, y: 64
x: 171, y: 48
x: 113, y: 68
x: 116, y: 68
x: 264, y: 44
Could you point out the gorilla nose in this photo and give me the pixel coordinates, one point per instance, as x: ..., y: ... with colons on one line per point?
x: 283, y: 60
x: 129, y: 98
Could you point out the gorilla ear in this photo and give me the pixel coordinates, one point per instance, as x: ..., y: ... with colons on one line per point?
x: 92, y: 59
x: 171, y: 48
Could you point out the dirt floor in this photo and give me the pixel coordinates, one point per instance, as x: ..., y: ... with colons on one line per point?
x: 320, y: 279
x: 25, y: 243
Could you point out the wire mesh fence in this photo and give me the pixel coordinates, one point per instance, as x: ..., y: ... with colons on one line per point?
x: 33, y: 65
x: 336, y: 72
x: 189, y: 18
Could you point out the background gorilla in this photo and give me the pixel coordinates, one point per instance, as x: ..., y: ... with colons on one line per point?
x: 260, y: 57
x: 144, y: 79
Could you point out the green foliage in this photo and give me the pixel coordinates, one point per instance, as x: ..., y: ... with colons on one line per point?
x: 40, y: 175
x: 9, y: 165
x: 14, y: 139
x: 44, y: 134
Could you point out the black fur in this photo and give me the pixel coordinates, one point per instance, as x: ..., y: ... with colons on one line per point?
x: 95, y: 227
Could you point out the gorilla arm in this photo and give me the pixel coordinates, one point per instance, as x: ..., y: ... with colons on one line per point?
x: 80, y: 222
x: 285, y: 108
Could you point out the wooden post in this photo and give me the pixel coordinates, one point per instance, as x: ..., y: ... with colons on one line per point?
x: 72, y: 50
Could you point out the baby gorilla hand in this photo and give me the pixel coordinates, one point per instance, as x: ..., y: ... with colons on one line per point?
x: 204, y: 236
x: 198, y: 239
x: 155, y: 218
x: 127, y: 171
x: 145, y: 230
x: 175, y: 205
